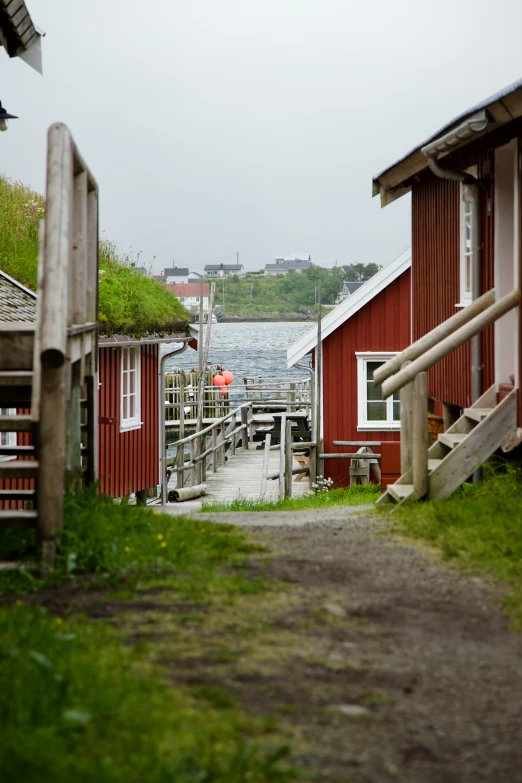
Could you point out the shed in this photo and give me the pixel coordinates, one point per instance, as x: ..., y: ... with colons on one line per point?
x: 359, y: 335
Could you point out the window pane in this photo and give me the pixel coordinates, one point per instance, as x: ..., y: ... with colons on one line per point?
x: 132, y: 382
x: 132, y: 354
x: 376, y: 411
x: 468, y: 274
x: 396, y: 410
x: 132, y: 406
x: 370, y: 369
x: 125, y: 384
x: 125, y: 416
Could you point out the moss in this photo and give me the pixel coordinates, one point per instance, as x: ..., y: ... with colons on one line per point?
x: 129, y: 302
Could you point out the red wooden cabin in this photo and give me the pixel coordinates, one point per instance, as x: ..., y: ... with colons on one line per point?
x: 359, y: 335
x: 466, y: 237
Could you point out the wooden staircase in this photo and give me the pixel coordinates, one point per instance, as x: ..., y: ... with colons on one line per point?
x: 462, y: 449
x: 49, y: 367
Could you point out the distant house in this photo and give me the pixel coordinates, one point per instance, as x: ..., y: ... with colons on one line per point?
x: 294, y: 262
x: 346, y: 290
x: 363, y: 332
x: 189, y: 294
x: 176, y: 274
x: 224, y: 270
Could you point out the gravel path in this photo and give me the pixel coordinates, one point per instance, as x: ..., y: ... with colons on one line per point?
x: 421, y: 676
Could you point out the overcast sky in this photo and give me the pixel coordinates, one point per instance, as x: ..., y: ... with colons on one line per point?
x: 216, y: 126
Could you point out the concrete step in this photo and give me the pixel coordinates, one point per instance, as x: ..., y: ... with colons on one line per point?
x: 452, y: 439
x: 400, y: 492
x: 477, y: 414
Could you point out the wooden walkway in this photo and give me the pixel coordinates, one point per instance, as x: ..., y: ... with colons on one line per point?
x: 241, y: 476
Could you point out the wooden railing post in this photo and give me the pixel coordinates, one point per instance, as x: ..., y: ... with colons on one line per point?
x: 406, y: 398
x: 312, y: 463
x: 244, y: 423
x: 266, y: 463
x: 282, y: 458
x: 420, y: 435
x: 214, y: 453
x: 288, y: 458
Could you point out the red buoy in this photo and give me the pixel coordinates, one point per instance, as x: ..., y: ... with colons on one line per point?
x: 218, y: 380
x: 223, y: 392
x: 228, y: 376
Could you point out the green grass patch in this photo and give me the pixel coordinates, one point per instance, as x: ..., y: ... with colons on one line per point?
x: 21, y: 210
x: 127, y: 545
x: 351, y: 496
x: 479, y: 528
x: 76, y: 706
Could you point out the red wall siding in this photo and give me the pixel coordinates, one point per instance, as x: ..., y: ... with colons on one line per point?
x: 382, y: 325
x: 128, y: 461
x: 435, y: 270
x: 22, y: 439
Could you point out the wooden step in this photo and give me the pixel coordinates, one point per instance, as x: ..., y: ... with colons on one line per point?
x: 452, y: 439
x: 16, y: 378
x: 17, y: 494
x: 22, y: 423
x: 400, y: 492
x: 18, y: 518
x: 19, y: 469
x: 16, y: 451
x: 477, y: 414
x: 433, y: 464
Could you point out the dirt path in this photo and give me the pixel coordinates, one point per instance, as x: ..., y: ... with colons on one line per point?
x: 377, y: 663
x: 383, y: 666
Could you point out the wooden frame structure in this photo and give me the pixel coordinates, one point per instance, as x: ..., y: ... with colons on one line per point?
x: 58, y: 356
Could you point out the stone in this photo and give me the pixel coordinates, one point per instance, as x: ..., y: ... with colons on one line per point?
x: 353, y: 710
x: 336, y: 610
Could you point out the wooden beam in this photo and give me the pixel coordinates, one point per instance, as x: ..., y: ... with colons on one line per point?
x: 421, y: 438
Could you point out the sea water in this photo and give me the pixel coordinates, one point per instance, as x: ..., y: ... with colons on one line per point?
x: 249, y: 350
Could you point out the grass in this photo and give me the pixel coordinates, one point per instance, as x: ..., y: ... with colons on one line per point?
x: 479, y: 529
x: 352, y: 496
x: 77, y: 706
x: 123, y: 544
x: 78, y: 702
x: 130, y: 303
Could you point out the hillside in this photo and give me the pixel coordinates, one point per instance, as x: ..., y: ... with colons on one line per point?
x: 129, y: 302
x: 279, y: 295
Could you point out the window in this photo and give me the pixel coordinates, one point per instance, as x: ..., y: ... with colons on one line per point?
x: 7, y: 438
x: 468, y: 218
x: 374, y: 413
x: 130, y: 389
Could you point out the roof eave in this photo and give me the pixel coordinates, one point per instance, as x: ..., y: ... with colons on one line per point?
x: 395, y: 181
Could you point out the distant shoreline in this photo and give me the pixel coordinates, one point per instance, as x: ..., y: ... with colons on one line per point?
x: 227, y: 319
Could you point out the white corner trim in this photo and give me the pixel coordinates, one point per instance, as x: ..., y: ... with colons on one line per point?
x: 350, y: 306
x: 134, y: 426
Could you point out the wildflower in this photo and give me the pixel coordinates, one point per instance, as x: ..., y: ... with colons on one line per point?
x: 59, y: 620
x: 163, y: 543
x: 19, y: 603
x: 160, y: 536
x: 127, y: 549
x: 154, y: 511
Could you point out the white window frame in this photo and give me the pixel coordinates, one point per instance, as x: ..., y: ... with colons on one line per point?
x: 362, y: 416
x: 11, y: 436
x: 131, y: 422
x: 466, y: 248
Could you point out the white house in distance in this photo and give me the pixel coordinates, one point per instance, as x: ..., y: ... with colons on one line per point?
x: 189, y: 294
x: 224, y: 270
x: 346, y: 290
x: 293, y: 262
x: 176, y: 274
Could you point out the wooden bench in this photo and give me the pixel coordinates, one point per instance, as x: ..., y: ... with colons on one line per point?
x: 300, y: 429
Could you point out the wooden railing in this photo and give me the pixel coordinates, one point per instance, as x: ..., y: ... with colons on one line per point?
x: 65, y: 366
x: 224, y: 432
x: 407, y: 373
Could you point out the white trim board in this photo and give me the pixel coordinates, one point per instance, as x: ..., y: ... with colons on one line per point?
x: 349, y: 307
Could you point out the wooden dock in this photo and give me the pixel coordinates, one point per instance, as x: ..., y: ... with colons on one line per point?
x: 241, y: 477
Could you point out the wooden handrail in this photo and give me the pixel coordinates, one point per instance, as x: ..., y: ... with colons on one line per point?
x: 434, y: 337
x: 215, y: 424
x: 446, y: 346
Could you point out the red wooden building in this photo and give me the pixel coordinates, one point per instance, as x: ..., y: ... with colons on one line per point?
x: 128, y: 403
x: 465, y: 185
x: 359, y: 335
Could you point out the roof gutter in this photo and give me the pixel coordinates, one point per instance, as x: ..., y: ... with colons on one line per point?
x: 463, y: 133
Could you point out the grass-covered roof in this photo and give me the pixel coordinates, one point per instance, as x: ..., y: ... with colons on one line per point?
x: 130, y: 303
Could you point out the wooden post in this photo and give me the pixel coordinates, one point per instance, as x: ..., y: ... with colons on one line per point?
x: 266, y: 463
x: 192, y: 466
x: 203, y: 463
x: 214, y: 453
x: 406, y: 398
x: 244, y: 423
x: 223, y: 446
x: 282, y: 458
x: 319, y: 376
x: 312, y: 462
x: 421, y: 439
x: 288, y: 458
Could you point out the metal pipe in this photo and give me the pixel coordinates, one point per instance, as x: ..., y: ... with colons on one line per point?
x: 312, y: 393
x: 161, y: 415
